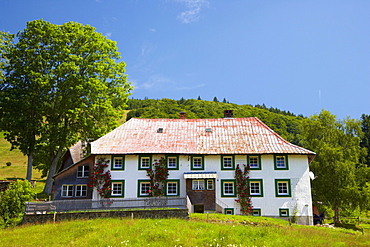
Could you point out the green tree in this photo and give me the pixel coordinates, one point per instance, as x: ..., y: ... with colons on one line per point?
x: 365, y: 141
x: 337, y: 144
x: 70, y: 77
x: 21, y: 100
x: 12, y: 201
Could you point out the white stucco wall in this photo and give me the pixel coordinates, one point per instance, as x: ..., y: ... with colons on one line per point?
x: 269, y: 203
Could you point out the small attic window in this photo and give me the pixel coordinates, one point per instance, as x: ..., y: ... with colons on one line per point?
x: 160, y: 130
x: 208, y: 130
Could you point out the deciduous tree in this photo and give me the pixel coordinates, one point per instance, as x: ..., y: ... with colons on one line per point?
x: 365, y: 141
x: 337, y: 144
x: 72, y: 84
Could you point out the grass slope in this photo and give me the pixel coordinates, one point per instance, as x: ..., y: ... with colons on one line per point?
x: 18, y: 169
x: 200, y: 230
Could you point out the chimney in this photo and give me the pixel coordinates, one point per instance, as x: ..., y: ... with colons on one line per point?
x: 228, y: 113
x: 182, y: 115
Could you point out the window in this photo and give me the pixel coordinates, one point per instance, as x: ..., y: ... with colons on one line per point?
x: 281, y: 162
x: 256, y: 212
x: 254, y: 162
x: 227, y: 162
x: 228, y: 188
x: 145, y: 162
x: 198, y: 185
x: 83, y: 171
x: 282, y: 187
x: 117, y: 163
x: 229, y: 211
x: 172, y: 188
x: 117, y: 188
x: 256, y: 187
x: 67, y: 190
x: 172, y: 162
x: 284, y: 212
x: 144, y: 188
x: 197, y: 163
x: 210, y: 184
x: 81, y: 190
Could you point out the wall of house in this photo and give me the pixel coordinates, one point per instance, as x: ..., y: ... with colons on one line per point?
x: 298, y: 202
x: 69, y: 177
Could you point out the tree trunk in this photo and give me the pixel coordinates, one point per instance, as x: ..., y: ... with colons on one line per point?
x: 336, y: 215
x: 49, y: 181
x: 29, y: 167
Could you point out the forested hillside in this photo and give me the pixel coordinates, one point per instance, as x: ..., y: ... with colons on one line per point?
x: 284, y: 123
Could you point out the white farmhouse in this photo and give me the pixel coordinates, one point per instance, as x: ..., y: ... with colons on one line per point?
x: 201, y: 156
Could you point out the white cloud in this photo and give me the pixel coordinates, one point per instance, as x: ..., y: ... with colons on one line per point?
x: 152, y: 30
x: 191, y: 87
x: 108, y: 35
x: 157, y: 82
x: 193, y: 9
x: 162, y: 83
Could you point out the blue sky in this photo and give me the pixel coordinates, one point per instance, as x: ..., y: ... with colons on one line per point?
x: 297, y: 55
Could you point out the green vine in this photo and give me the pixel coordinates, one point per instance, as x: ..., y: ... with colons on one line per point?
x: 158, y: 177
x: 100, y: 179
x: 243, y: 190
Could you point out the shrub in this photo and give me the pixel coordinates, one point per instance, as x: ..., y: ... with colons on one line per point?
x: 12, y: 202
x: 8, y: 163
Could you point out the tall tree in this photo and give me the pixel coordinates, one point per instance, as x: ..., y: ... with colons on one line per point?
x: 72, y: 80
x: 22, y: 98
x: 337, y: 144
x: 365, y: 141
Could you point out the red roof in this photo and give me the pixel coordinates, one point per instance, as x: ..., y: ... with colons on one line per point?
x: 195, y: 136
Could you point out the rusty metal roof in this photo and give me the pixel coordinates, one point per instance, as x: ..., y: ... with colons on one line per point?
x: 195, y: 136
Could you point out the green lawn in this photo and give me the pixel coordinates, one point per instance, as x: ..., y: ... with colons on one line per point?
x: 199, y: 230
x: 18, y: 161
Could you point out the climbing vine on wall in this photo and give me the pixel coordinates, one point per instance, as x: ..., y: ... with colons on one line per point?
x: 243, y: 190
x: 101, y: 179
x: 158, y: 175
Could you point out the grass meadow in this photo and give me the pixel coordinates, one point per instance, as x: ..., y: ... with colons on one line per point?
x: 199, y: 230
x: 18, y: 167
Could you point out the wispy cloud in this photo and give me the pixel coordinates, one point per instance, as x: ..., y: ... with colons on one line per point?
x: 163, y: 83
x: 191, y: 87
x: 157, y: 82
x: 193, y: 9
x: 152, y: 30
x: 108, y: 35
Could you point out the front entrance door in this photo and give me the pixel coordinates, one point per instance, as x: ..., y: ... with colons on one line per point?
x: 201, y: 193
x: 199, y: 208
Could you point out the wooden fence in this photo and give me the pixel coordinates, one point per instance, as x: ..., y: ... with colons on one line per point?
x: 104, y: 204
